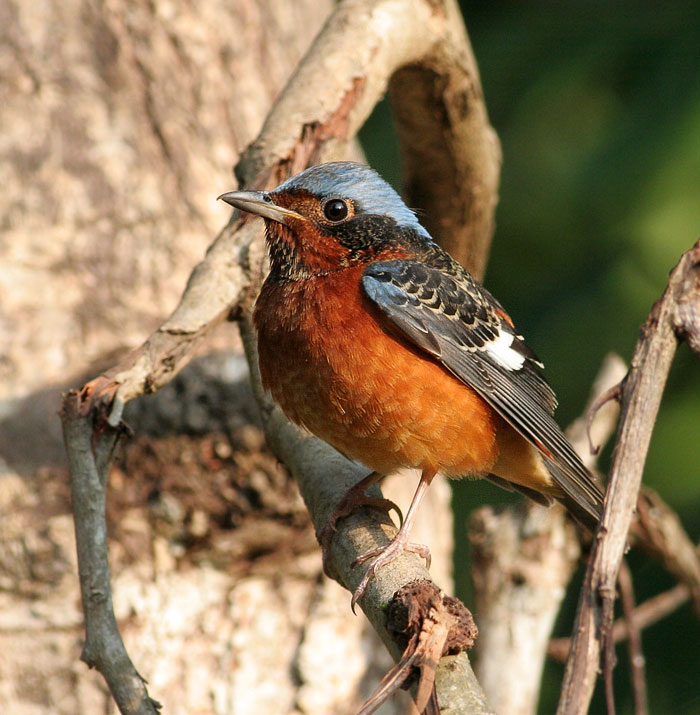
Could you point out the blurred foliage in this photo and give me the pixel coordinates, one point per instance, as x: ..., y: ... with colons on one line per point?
x: 597, y: 106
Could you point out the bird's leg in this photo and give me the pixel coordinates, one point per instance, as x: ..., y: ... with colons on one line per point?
x: 400, y: 543
x: 354, y: 498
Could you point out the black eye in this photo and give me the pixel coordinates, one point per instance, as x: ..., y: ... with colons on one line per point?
x: 336, y: 210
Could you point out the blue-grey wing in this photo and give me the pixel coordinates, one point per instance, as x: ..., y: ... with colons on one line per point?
x: 445, y: 312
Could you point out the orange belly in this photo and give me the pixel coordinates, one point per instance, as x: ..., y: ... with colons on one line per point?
x: 331, y: 366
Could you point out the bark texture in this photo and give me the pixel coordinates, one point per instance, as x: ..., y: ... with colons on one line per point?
x: 121, y: 122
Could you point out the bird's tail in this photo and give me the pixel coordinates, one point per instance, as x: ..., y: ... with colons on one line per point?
x: 586, y: 506
x: 586, y: 512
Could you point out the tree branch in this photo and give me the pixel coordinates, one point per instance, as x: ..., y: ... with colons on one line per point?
x: 451, y: 156
x: 89, y: 457
x: 522, y: 561
x: 327, y: 99
x: 636, y: 655
x: 645, y: 615
x: 324, y: 476
x: 641, y: 396
x: 660, y: 533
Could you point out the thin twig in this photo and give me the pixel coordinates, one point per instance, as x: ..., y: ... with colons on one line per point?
x: 653, y: 610
x: 612, y: 393
x: 609, y: 663
x: 599, y: 420
x: 634, y: 649
x: 646, y: 614
x: 88, y: 465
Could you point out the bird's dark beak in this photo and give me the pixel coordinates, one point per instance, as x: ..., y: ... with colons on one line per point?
x: 261, y: 204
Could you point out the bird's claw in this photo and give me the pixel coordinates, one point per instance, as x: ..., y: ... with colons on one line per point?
x: 383, y: 556
x: 351, y: 502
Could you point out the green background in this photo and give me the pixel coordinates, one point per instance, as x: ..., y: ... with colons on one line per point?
x: 598, y: 110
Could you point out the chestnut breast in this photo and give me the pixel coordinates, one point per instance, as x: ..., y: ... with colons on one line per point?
x: 334, y: 369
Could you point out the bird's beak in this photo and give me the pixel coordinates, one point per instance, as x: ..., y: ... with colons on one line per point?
x: 260, y: 203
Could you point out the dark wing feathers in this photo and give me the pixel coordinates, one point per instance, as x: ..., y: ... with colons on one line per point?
x: 427, y: 301
x: 442, y: 310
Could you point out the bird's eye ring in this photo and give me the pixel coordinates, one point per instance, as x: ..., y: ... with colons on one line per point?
x: 336, y: 210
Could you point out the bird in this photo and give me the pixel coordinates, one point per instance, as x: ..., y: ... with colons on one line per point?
x: 377, y: 341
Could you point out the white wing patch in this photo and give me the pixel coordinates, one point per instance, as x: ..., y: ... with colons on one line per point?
x: 501, y: 351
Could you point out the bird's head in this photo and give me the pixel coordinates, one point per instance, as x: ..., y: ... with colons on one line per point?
x: 330, y: 217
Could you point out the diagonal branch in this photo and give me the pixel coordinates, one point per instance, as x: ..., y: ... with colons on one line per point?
x: 324, y: 476
x: 337, y: 84
x: 640, y: 399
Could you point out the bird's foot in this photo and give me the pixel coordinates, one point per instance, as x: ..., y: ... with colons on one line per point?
x: 353, y: 500
x: 384, y: 555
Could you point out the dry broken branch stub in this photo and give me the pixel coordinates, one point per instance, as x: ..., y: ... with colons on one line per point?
x: 418, y: 601
x: 428, y: 625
